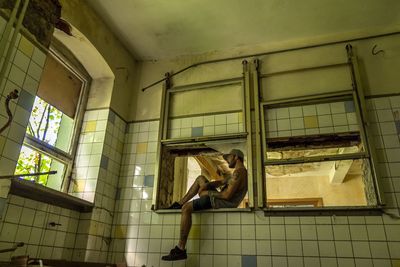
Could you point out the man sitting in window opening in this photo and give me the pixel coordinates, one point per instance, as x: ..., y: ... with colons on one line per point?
x: 234, y: 189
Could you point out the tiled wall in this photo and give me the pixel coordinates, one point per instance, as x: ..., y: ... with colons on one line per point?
x: 208, y: 125
x: 249, y: 239
x: 133, y: 216
x: 99, y: 161
x: 311, y: 119
x: 27, y: 221
x: 23, y: 74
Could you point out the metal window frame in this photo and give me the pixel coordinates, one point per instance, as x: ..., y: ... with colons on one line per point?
x: 163, y: 139
x: 65, y: 157
x: 356, y: 94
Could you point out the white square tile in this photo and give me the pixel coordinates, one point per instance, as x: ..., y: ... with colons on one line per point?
x: 283, y: 124
x: 270, y: 114
x: 208, y: 130
x: 232, y: 128
x: 381, y: 102
x: 220, y: 119
x: 323, y: 109
x: 282, y: 113
x: 209, y: 120
x: 325, y: 121
x: 220, y: 129
x: 186, y: 132
x: 197, y: 121
x: 186, y: 122
x: 271, y: 125
x: 337, y: 107
x: 309, y: 110
x: 17, y: 76
x: 297, y: 123
x: 385, y: 115
x: 339, y: 119
x: 232, y: 118
x: 298, y: 132
x: 295, y: 112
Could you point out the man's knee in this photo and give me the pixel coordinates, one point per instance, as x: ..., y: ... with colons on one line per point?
x: 201, y: 179
x: 187, y: 207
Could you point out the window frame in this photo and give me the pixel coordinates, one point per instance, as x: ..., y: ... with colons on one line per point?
x: 357, y: 95
x: 65, y: 157
x: 246, y: 135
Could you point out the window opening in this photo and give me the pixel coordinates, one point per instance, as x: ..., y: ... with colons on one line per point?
x: 314, y: 155
x: 52, y: 131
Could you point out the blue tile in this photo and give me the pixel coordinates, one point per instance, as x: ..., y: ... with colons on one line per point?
x: 349, y: 106
x: 149, y: 180
x: 249, y: 261
x: 104, y: 162
x: 26, y: 100
x: 111, y: 117
x: 197, y: 131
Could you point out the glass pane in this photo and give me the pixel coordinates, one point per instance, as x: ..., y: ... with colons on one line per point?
x: 50, y: 125
x: 32, y: 161
x: 320, y: 184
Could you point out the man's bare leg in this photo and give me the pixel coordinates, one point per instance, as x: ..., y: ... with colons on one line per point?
x: 186, y: 224
x: 194, y: 189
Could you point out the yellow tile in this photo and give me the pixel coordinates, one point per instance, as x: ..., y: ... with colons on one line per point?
x: 195, y: 232
x: 310, y: 122
x: 240, y: 117
x: 120, y: 231
x: 141, y: 148
x: 90, y: 126
x: 79, y: 186
x: 26, y: 46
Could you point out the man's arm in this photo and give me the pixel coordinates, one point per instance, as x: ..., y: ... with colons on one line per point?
x: 227, y: 194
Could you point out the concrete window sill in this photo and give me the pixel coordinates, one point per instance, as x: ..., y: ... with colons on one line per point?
x: 40, y: 193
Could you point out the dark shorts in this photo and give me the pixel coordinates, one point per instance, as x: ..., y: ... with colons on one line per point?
x: 202, y: 203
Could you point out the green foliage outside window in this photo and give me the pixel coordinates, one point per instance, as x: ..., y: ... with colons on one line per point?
x: 44, y: 125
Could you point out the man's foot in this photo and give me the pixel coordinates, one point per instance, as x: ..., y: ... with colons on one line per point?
x: 175, y: 254
x: 175, y: 206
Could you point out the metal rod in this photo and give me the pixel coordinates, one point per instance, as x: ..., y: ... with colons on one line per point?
x: 197, y: 86
x: 13, y: 39
x: 11, y: 95
x: 317, y: 98
x: 361, y: 109
x: 248, y: 129
x: 27, y: 174
x: 303, y: 69
x: 7, y: 30
x: 258, y: 157
x: 13, y: 248
x: 270, y: 53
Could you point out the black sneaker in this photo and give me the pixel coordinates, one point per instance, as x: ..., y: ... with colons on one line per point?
x: 175, y: 254
x: 175, y: 206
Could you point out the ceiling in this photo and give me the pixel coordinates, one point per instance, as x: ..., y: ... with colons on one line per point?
x: 158, y: 29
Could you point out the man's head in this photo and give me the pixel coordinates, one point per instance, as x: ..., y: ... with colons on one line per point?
x: 233, y: 156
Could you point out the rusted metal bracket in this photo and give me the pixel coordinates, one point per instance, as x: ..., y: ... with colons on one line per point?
x: 11, y: 95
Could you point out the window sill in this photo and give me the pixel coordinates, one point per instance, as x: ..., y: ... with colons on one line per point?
x: 40, y: 193
x: 165, y: 211
x: 328, y: 211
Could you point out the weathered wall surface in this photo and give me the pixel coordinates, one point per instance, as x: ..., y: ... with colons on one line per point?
x: 123, y: 65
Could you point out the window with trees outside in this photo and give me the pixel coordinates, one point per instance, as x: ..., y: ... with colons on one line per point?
x: 51, y: 135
